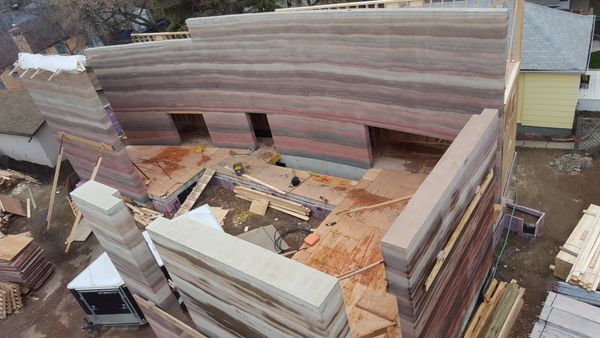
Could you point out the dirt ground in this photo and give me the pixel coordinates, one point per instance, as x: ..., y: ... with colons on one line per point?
x: 563, y: 198
x: 52, y: 311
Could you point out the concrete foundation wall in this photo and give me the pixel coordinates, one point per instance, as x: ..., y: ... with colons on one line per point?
x: 41, y: 148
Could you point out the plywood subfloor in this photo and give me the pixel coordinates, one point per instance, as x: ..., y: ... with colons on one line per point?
x: 170, y: 167
x: 354, y: 241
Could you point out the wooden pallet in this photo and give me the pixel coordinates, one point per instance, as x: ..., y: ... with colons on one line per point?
x: 196, y: 192
x: 10, y: 299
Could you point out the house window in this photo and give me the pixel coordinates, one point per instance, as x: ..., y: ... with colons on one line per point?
x: 61, y: 48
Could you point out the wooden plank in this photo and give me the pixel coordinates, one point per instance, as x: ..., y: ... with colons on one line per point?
x: 375, y: 205
x: 11, y: 246
x: 458, y: 230
x: 12, y: 205
x: 54, y: 184
x: 91, y: 143
x: 259, y: 207
x: 196, y: 192
x: 277, y: 190
x: 31, y: 197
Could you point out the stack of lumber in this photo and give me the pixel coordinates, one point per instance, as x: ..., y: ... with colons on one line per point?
x: 585, y: 231
x: 289, y: 207
x: 10, y: 299
x: 245, y: 290
x: 585, y: 247
x: 497, y: 313
x: 23, y: 262
x: 563, y: 316
x: 143, y: 216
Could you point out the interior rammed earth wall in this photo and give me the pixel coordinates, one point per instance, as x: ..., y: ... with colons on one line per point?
x: 70, y: 104
x: 423, y: 71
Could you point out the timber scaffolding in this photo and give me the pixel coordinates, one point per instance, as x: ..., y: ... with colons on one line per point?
x: 412, y: 267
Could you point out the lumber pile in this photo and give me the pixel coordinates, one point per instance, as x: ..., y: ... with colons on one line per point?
x: 23, y: 262
x: 566, y: 257
x: 289, y: 207
x: 496, y: 315
x: 585, y: 249
x: 563, y: 316
x: 10, y: 299
x: 143, y: 216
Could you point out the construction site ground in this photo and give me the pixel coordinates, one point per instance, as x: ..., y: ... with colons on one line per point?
x: 53, y: 312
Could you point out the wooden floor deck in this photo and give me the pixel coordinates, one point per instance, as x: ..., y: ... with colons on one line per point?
x: 351, y: 243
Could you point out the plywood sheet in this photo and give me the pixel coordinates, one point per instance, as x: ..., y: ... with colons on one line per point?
x: 11, y: 246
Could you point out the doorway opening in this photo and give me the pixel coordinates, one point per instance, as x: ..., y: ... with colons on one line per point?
x: 191, y: 128
x: 260, y: 124
x: 417, y: 153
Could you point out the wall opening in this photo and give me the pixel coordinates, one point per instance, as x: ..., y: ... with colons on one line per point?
x: 417, y: 153
x: 191, y: 128
x: 260, y: 124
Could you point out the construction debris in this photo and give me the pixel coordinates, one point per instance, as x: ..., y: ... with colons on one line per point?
x: 9, y: 204
x: 9, y: 178
x: 497, y: 313
x: 572, y: 164
x: 143, y: 216
x: 289, y: 207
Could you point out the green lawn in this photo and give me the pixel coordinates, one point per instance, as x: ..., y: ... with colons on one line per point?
x: 595, y: 60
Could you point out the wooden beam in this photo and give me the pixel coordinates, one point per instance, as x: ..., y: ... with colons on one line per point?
x: 54, y: 184
x: 83, y: 140
x: 375, y: 205
x: 458, y: 230
x: 357, y: 271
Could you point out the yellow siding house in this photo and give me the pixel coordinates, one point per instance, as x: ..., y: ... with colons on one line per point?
x: 555, y: 52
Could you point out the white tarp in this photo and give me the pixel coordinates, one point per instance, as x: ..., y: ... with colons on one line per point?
x: 52, y: 63
x: 203, y: 215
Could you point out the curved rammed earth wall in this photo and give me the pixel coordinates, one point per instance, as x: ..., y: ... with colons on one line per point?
x: 423, y: 71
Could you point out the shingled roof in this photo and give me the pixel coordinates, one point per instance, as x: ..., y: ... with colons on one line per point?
x: 39, y: 32
x: 18, y: 113
x: 555, y: 40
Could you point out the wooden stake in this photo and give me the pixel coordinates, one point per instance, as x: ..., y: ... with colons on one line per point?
x: 28, y: 207
x: 375, y: 205
x: 32, y: 198
x: 54, y: 184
